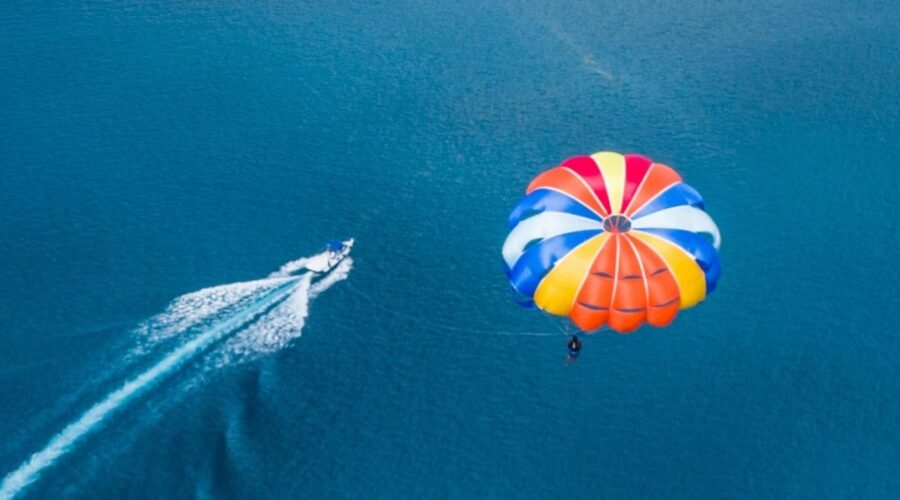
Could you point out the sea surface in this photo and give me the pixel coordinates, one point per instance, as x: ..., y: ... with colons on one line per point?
x: 150, y: 150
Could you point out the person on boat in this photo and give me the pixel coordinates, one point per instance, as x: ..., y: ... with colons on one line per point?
x: 334, y: 247
x: 574, y: 346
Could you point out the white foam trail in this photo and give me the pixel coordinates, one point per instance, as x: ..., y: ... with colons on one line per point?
x: 273, y: 330
x: 281, y: 324
x: 223, y: 309
x: 203, y: 305
x: 293, y: 266
x: 17, y: 480
x: 208, y: 305
x: 339, y: 273
x: 213, y: 303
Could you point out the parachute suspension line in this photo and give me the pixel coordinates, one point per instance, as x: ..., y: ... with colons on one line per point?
x: 562, y: 328
x: 571, y: 330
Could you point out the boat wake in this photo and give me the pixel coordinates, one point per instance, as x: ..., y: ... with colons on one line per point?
x: 228, y: 323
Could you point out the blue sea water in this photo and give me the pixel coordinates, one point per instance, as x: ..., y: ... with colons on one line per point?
x: 151, y: 149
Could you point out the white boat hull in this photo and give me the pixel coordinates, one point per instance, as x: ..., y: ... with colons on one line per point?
x: 325, y: 262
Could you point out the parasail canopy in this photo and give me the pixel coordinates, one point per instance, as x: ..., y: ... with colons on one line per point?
x: 612, y: 240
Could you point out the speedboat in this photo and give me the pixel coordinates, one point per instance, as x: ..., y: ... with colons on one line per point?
x: 335, y: 252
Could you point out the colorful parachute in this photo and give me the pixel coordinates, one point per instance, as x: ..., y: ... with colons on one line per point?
x: 612, y: 239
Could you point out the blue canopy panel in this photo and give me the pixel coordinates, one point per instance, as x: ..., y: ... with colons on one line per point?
x: 335, y: 246
x: 538, y: 260
x: 547, y: 200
